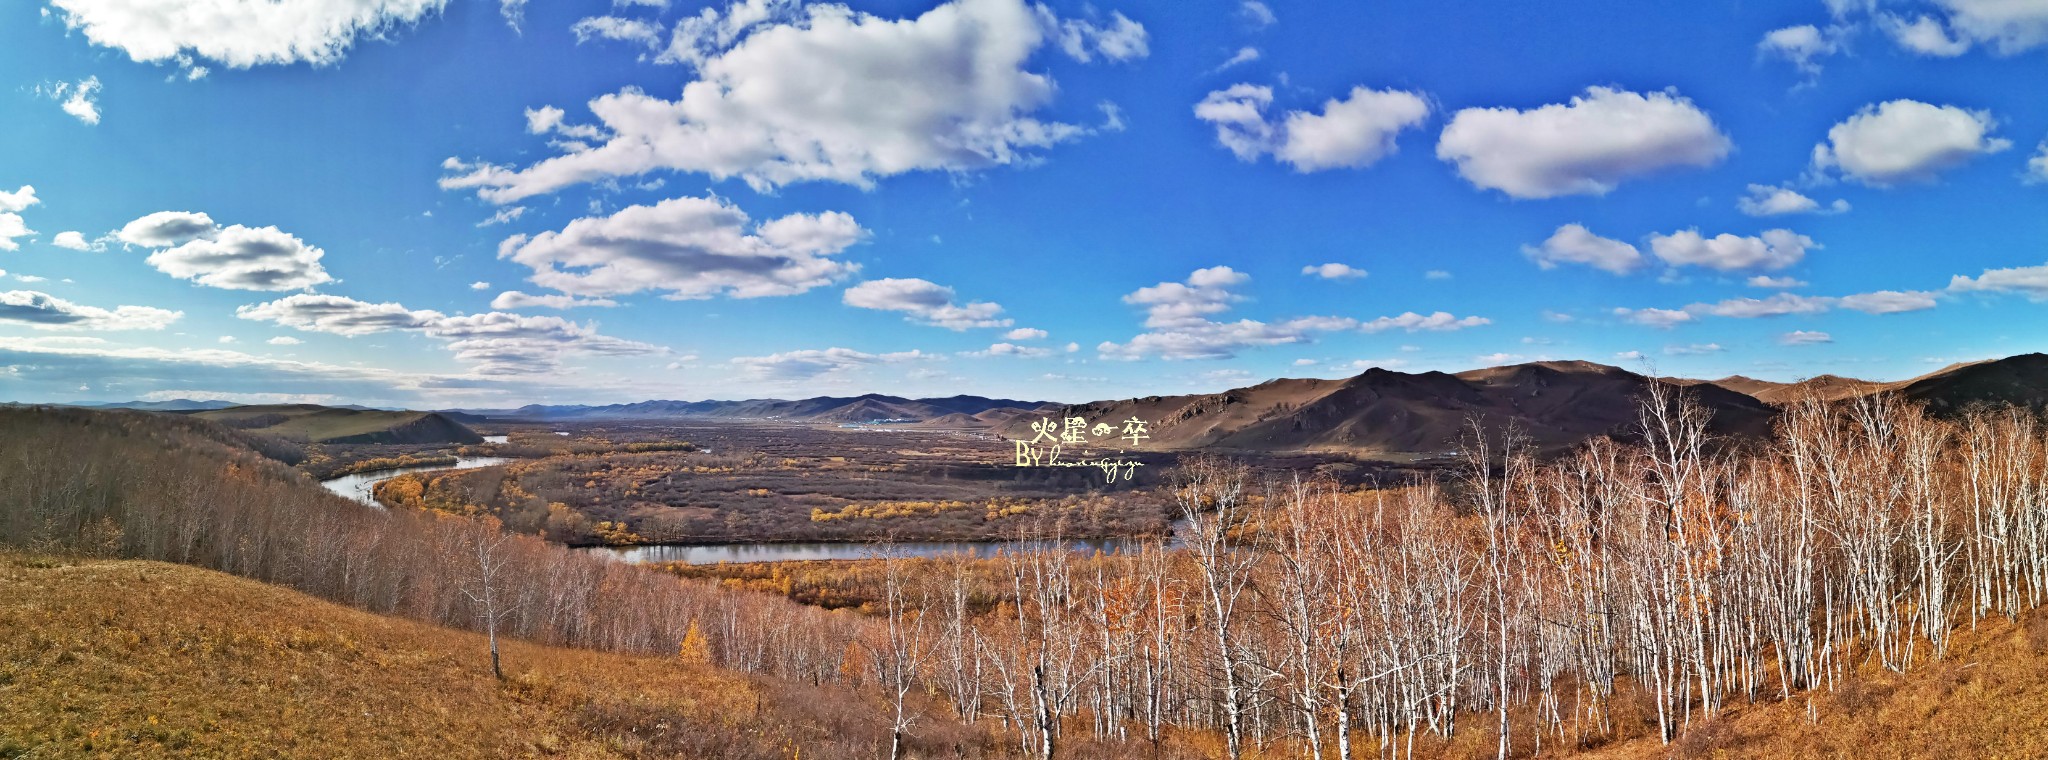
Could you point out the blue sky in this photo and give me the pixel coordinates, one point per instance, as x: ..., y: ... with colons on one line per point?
x: 471, y: 202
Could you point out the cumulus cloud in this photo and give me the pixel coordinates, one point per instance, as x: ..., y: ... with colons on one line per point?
x: 2037, y: 167
x: 1661, y: 318
x: 1888, y: 301
x: 925, y: 302
x: 1805, y: 338
x: 1441, y: 321
x: 190, y: 246
x: 284, y: 340
x: 1025, y: 333
x: 617, y: 29
x: 1574, y: 244
x: 811, y: 364
x: 1585, y: 147
x: 1904, y: 141
x: 1695, y: 349
x: 12, y: 226
x: 339, y: 315
x: 1771, y: 200
x: 1767, y: 281
x: 43, y: 311
x: 2010, y: 27
x: 80, y: 98
x: 788, y: 93
x: 1011, y: 349
x: 2031, y: 282
x: 238, y: 33
x: 73, y: 240
x: 1118, y: 39
x: 494, y: 343
x: 1352, y: 132
x: 1802, y: 45
x: 1178, y: 320
x: 512, y: 300
x: 1774, y: 249
x: 1924, y: 35
x: 1334, y: 271
x: 1774, y: 306
x: 1256, y: 13
x: 690, y: 247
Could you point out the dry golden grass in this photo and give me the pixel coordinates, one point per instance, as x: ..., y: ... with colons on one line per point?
x: 107, y: 658
x: 1987, y: 699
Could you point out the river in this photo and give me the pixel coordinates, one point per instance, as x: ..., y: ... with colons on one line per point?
x: 360, y: 485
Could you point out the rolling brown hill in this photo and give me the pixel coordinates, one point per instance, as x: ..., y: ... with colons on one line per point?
x: 2020, y: 380
x: 1396, y: 414
x: 325, y: 424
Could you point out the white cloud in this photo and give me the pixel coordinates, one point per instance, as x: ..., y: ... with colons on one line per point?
x: 1888, y: 301
x: 1334, y: 271
x: 71, y: 239
x: 1585, y: 147
x: 80, y: 98
x: 2037, y: 167
x: 1441, y: 321
x: 1177, y: 315
x: 1775, y: 306
x: 618, y: 30
x: 1660, y: 318
x: 1924, y: 35
x: 1256, y: 13
x: 1801, y: 45
x: 29, y: 278
x: 505, y: 214
x: 1774, y: 249
x: 12, y: 226
x: 1770, y: 200
x: 2029, y: 281
x: 2009, y: 26
x: 1243, y: 55
x: 1628, y: 356
x: 226, y: 339
x: 1903, y: 141
x: 1304, y: 362
x: 494, y: 343
x: 925, y: 302
x: 1767, y: 281
x: 1025, y: 333
x: 1695, y: 349
x: 192, y: 247
x: 808, y: 364
x: 513, y: 299
x: 690, y: 247
x: 43, y: 311
x: 479, y: 285
x: 789, y: 93
x: 1805, y: 338
x: 239, y: 33
x: 284, y: 340
x: 1436, y: 274
x: 1350, y: 133
x: 1574, y: 244
x: 338, y: 315
x: 1011, y: 349
x: 1121, y: 39
x: 1495, y: 359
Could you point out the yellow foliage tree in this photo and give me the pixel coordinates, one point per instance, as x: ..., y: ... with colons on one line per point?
x: 694, y: 649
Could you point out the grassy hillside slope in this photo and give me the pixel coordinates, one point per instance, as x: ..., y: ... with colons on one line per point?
x: 322, y: 424
x: 145, y: 659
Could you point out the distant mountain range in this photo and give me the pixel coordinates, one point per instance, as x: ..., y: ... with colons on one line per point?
x: 963, y: 410
x: 1556, y: 404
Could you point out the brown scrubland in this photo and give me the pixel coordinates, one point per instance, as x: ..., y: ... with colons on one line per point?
x: 1865, y: 581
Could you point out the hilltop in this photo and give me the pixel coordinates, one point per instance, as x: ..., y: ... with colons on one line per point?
x: 324, y: 424
x: 865, y: 408
x: 1386, y: 413
x: 2020, y: 380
